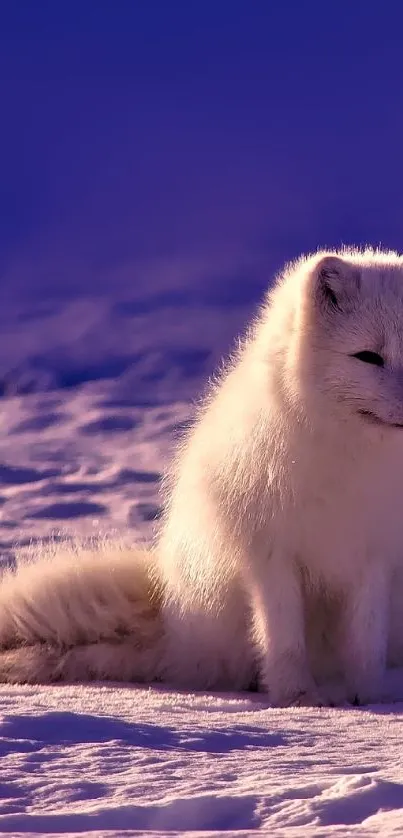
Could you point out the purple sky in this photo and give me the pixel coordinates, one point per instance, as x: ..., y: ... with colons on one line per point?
x: 144, y: 129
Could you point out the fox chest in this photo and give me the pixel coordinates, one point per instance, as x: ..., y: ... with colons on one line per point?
x: 344, y: 519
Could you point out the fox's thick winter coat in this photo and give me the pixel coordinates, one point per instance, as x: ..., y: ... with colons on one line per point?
x: 280, y: 557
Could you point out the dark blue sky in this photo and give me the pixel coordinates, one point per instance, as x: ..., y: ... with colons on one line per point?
x: 141, y: 129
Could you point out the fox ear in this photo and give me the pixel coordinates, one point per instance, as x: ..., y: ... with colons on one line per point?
x: 337, y: 284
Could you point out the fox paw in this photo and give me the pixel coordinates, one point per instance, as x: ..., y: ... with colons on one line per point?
x: 371, y: 691
x: 309, y: 698
x: 363, y: 698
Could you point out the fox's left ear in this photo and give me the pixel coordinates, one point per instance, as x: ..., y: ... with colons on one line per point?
x: 336, y: 284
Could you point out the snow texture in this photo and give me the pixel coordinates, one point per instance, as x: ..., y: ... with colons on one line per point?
x: 110, y: 759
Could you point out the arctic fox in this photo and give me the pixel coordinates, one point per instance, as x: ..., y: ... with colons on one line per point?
x: 281, y: 547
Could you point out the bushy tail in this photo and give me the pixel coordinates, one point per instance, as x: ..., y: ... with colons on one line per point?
x: 79, y: 614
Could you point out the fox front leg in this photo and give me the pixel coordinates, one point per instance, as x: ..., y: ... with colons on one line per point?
x: 364, y: 636
x: 279, y: 632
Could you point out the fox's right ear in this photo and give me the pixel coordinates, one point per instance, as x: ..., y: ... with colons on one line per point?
x: 336, y: 284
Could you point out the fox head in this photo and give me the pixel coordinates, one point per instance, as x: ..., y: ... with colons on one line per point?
x: 345, y: 355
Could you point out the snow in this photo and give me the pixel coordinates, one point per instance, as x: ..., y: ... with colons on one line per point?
x: 82, y: 453
x: 114, y: 758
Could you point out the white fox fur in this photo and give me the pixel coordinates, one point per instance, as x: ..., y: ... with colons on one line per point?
x: 81, y: 613
x: 280, y: 559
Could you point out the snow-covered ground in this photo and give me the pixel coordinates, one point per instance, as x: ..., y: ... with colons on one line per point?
x: 95, y: 391
x: 106, y: 759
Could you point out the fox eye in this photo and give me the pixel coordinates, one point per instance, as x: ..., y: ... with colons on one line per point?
x: 370, y: 358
